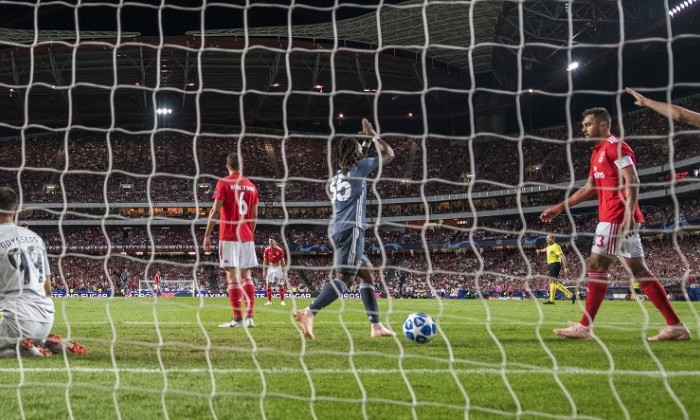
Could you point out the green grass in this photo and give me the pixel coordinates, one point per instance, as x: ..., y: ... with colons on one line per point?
x: 493, y: 359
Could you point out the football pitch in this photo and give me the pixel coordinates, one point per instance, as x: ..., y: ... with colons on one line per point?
x: 167, y: 358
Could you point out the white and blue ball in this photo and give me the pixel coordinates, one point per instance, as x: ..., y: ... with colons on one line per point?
x: 419, y: 327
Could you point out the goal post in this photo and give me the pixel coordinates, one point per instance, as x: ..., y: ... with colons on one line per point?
x: 174, y: 287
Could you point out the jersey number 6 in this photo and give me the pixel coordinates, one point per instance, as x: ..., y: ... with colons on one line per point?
x: 242, y: 205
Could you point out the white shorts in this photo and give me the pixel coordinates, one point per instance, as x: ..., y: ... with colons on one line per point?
x: 607, y: 242
x: 11, y: 331
x: 274, y: 275
x: 237, y: 254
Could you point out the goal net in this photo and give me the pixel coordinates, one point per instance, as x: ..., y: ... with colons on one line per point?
x: 116, y: 122
x: 168, y: 287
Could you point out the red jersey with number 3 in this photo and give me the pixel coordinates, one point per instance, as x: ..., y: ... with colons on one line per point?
x: 274, y: 255
x: 239, y: 196
x: 608, y: 159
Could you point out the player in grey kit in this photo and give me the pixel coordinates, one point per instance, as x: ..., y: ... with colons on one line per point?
x: 348, y: 191
x: 25, y: 290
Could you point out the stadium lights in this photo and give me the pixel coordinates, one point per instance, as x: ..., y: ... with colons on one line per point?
x: 341, y: 115
x: 681, y: 6
x: 573, y: 66
x: 276, y: 84
x: 164, y: 111
x: 410, y: 115
x: 190, y: 84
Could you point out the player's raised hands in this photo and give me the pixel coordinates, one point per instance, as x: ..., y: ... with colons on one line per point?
x: 676, y: 112
x: 367, y: 128
x: 639, y: 99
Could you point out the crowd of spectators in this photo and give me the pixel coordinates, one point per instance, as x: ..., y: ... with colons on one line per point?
x: 169, y: 166
x: 503, y: 271
x: 660, y: 217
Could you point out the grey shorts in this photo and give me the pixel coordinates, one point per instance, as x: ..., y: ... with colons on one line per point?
x: 12, y: 331
x: 349, y: 255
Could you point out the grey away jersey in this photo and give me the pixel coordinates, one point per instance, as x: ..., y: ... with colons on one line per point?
x: 348, y: 195
x: 23, y: 270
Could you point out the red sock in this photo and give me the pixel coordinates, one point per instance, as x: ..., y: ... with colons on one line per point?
x: 249, y: 292
x: 268, y: 291
x: 657, y: 295
x: 597, y: 286
x: 234, y: 297
x: 282, y: 293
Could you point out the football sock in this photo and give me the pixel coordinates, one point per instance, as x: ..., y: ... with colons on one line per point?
x: 234, y: 297
x: 597, y: 287
x: 282, y: 293
x: 268, y: 291
x: 249, y: 292
x: 331, y: 291
x: 657, y: 295
x: 552, y: 291
x: 563, y: 289
x: 370, y: 301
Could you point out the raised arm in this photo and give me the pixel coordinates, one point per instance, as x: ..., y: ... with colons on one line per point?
x: 581, y: 195
x: 385, y: 151
x: 677, y: 113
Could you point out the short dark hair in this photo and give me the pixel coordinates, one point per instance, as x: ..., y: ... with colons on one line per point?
x: 8, y: 200
x: 232, y: 161
x: 599, y: 113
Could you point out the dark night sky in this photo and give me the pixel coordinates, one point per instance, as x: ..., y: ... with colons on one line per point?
x: 643, y: 67
x: 177, y: 16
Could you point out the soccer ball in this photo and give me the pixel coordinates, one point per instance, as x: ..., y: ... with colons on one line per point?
x: 419, y: 327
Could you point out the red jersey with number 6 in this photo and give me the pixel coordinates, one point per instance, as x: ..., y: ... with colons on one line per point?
x: 239, y: 196
x: 608, y: 159
x: 274, y: 255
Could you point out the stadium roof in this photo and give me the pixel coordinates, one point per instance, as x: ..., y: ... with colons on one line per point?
x: 402, y: 26
x: 25, y: 36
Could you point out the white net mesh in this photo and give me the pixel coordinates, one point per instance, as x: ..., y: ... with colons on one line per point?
x: 116, y: 122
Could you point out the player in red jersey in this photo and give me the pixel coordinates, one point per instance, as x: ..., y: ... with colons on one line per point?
x: 274, y: 266
x: 613, y: 176
x: 236, y: 206
x: 156, y: 284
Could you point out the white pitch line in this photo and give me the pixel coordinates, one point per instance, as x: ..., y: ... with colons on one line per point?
x: 291, y: 322
x: 571, y: 371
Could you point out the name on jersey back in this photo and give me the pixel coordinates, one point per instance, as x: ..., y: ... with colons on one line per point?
x: 242, y: 187
x: 19, y: 240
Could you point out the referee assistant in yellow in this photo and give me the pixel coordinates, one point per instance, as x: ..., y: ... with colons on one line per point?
x: 556, y: 261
